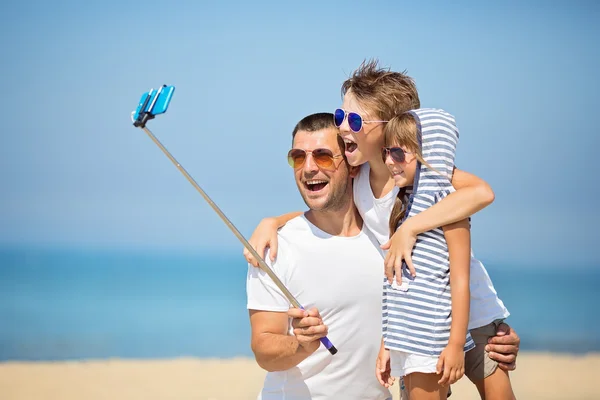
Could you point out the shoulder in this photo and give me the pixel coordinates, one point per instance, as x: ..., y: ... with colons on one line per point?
x: 294, y: 228
x: 295, y: 231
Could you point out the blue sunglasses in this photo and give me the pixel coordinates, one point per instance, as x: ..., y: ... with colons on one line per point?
x: 355, y: 121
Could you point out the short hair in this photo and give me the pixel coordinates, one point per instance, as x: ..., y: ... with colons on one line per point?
x: 386, y: 92
x: 316, y: 122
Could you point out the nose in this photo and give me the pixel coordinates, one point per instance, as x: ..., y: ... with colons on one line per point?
x: 310, y: 166
x: 388, y: 159
x: 344, y: 127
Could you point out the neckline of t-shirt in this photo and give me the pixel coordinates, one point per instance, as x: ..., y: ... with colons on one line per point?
x: 391, y: 194
x: 324, y: 235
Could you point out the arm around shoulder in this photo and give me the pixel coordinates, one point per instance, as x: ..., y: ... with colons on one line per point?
x: 265, y: 236
x: 480, y: 191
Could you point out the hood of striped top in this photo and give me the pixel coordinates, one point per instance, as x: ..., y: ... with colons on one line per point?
x: 438, y: 137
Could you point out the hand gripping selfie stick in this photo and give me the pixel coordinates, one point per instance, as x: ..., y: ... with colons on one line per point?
x: 156, y: 102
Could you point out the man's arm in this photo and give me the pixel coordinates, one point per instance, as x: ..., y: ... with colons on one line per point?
x: 276, y: 350
x: 265, y: 236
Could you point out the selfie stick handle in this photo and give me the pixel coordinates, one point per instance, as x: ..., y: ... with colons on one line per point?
x: 328, y: 345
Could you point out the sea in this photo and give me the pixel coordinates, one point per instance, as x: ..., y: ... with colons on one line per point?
x: 73, y: 304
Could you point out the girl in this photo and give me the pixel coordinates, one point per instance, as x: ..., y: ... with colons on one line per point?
x: 426, y: 314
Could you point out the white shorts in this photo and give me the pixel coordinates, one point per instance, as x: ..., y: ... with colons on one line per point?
x: 403, y: 363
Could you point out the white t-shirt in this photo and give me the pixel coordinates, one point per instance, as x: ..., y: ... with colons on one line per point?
x: 342, y: 277
x: 375, y: 212
x: 485, y: 304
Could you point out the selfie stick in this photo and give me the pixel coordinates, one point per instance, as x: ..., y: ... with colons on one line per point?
x: 144, y: 115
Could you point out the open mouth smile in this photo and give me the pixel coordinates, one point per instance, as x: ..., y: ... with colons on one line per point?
x: 315, y: 185
x: 350, y: 145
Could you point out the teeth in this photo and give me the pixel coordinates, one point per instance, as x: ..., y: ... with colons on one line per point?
x: 348, y: 140
x: 315, y: 182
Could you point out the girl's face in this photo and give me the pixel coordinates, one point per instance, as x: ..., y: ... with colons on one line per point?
x: 401, y: 163
x: 365, y: 145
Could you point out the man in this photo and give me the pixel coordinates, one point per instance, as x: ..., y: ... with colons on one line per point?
x: 327, y: 260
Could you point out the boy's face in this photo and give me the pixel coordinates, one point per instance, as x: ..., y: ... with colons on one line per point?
x: 364, y: 145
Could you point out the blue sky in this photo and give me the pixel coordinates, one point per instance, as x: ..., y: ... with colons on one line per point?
x: 520, y: 77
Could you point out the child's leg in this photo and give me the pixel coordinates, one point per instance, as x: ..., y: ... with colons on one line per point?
x: 421, y: 386
x: 492, y: 383
x: 496, y: 386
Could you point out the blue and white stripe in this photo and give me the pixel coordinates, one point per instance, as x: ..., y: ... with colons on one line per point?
x: 417, y: 320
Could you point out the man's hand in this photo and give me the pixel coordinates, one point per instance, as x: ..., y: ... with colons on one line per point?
x: 263, y: 237
x: 400, y: 248
x: 308, y: 327
x: 504, y: 347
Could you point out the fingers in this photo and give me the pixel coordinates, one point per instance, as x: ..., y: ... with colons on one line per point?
x: 506, y: 339
x: 274, y: 246
x: 305, y: 319
x: 393, y: 266
x: 379, y: 371
x: 250, y: 258
x: 455, y: 375
x: 506, y: 349
x: 503, y: 329
x: 440, y: 365
x: 260, y: 249
x: 315, y: 331
x: 507, y: 367
x: 382, y: 372
x: 313, y: 312
x: 445, y: 377
x: 390, y: 381
x: 388, y: 267
x: 409, y: 263
x: 398, y: 269
x: 294, y: 312
x: 503, y: 358
x: 505, y: 335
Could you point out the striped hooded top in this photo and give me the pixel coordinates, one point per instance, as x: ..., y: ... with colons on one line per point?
x: 417, y: 315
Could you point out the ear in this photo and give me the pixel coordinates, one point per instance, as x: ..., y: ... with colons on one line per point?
x: 354, y: 171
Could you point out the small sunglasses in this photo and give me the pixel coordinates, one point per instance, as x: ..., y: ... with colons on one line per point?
x: 397, y: 153
x: 355, y: 121
x: 324, y: 158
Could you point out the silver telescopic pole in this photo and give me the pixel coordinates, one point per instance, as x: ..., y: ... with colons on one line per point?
x: 326, y: 342
x: 235, y: 231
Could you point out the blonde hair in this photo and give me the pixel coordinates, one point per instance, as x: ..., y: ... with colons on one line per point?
x: 402, y: 131
x: 385, y: 92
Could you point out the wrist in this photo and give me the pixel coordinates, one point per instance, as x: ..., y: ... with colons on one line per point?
x: 458, y: 343
x: 271, y: 222
x: 410, y: 227
x: 308, y: 348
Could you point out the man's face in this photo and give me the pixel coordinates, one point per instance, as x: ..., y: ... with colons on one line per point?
x: 366, y: 144
x: 323, y: 189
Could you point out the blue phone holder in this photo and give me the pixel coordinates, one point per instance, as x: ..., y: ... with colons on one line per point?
x: 152, y: 103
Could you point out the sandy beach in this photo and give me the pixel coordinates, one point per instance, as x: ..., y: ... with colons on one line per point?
x: 539, y: 376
